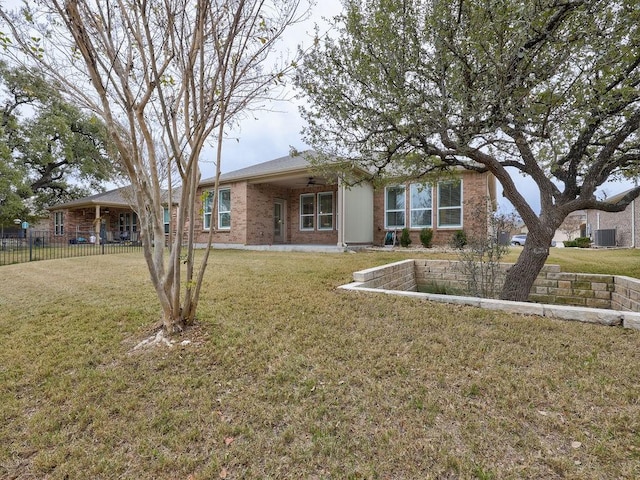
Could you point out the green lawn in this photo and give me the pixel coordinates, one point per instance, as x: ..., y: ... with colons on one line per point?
x: 286, y: 377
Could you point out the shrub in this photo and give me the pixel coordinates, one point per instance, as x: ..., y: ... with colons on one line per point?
x: 459, y: 239
x: 583, y: 242
x: 426, y: 237
x: 405, y: 239
x: 570, y: 243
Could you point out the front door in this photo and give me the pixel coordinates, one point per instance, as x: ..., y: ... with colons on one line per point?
x: 278, y: 221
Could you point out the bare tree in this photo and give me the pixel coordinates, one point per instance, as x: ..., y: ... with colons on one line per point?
x: 166, y: 77
x: 571, y: 225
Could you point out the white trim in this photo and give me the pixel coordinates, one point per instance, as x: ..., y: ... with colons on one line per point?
x: 319, y: 213
x: 58, y: 223
x: 403, y: 210
x: 307, y: 215
x: 222, y: 212
x: 451, y: 226
x: 426, y: 186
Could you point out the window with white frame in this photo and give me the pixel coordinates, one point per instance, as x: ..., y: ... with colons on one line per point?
x: 207, y: 203
x: 58, y: 223
x: 166, y: 220
x: 450, y: 204
x: 128, y: 225
x: 307, y: 211
x: 421, y: 205
x: 224, y: 209
x: 325, y: 211
x: 394, y: 207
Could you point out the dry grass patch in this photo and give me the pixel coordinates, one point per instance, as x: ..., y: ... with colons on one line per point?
x: 288, y: 378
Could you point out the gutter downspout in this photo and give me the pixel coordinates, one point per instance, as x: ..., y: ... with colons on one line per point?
x: 341, y: 214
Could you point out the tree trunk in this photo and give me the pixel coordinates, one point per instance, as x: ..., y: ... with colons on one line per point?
x: 520, y: 277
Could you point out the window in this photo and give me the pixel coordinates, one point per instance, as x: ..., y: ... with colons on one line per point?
x: 58, y: 222
x: 450, y: 204
x: 325, y: 211
x: 307, y: 211
x: 224, y: 209
x: 421, y: 206
x: 207, y: 201
x: 128, y: 224
x: 394, y: 207
x: 167, y: 220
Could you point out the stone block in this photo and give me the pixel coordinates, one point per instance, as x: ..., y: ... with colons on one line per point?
x: 561, y: 276
x: 453, y: 299
x: 600, y: 286
x: 524, y: 308
x: 598, y: 303
x: 594, y: 278
x: 581, y: 314
x: 565, y: 284
x: 631, y: 320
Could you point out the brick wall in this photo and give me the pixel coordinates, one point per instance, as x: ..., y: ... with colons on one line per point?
x: 621, y: 222
x: 320, y: 237
x: 81, y: 221
x: 475, y: 211
x: 252, y: 216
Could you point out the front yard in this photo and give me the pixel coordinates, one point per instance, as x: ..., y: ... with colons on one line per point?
x: 285, y: 377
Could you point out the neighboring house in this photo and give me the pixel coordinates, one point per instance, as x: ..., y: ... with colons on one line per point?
x: 575, y: 225
x: 283, y: 201
x: 101, y: 218
x: 615, y: 229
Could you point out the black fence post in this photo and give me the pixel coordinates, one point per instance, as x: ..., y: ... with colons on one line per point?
x: 30, y: 245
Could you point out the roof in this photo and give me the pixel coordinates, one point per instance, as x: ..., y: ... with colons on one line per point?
x: 283, y: 165
x: 112, y: 198
x: 119, y: 197
x: 619, y: 196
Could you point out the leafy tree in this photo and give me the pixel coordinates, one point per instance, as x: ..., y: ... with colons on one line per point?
x: 546, y: 89
x: 51, y: 151
x: 166, y: 78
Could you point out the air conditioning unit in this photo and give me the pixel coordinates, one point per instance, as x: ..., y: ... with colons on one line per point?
x: 605, y: 237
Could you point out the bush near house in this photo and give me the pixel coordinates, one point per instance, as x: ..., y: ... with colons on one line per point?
x: 459, y: 239
x: 426, y: 237
x: 405, y: 238
x: 580, y: 242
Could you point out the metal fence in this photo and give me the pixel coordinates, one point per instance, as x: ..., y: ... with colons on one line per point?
x: 33, y: 245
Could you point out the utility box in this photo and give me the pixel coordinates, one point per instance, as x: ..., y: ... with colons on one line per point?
x: 605, y: 237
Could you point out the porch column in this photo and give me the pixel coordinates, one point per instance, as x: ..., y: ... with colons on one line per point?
x: 96, y: 225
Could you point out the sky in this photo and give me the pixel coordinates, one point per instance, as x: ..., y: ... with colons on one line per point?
x: 268, y: 135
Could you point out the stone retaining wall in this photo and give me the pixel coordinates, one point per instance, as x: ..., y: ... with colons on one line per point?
x: 604, y: 299
x: 393, y: 276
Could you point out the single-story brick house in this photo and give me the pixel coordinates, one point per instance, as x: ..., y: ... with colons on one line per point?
x: 615, y: 229
x: 283, y: 202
